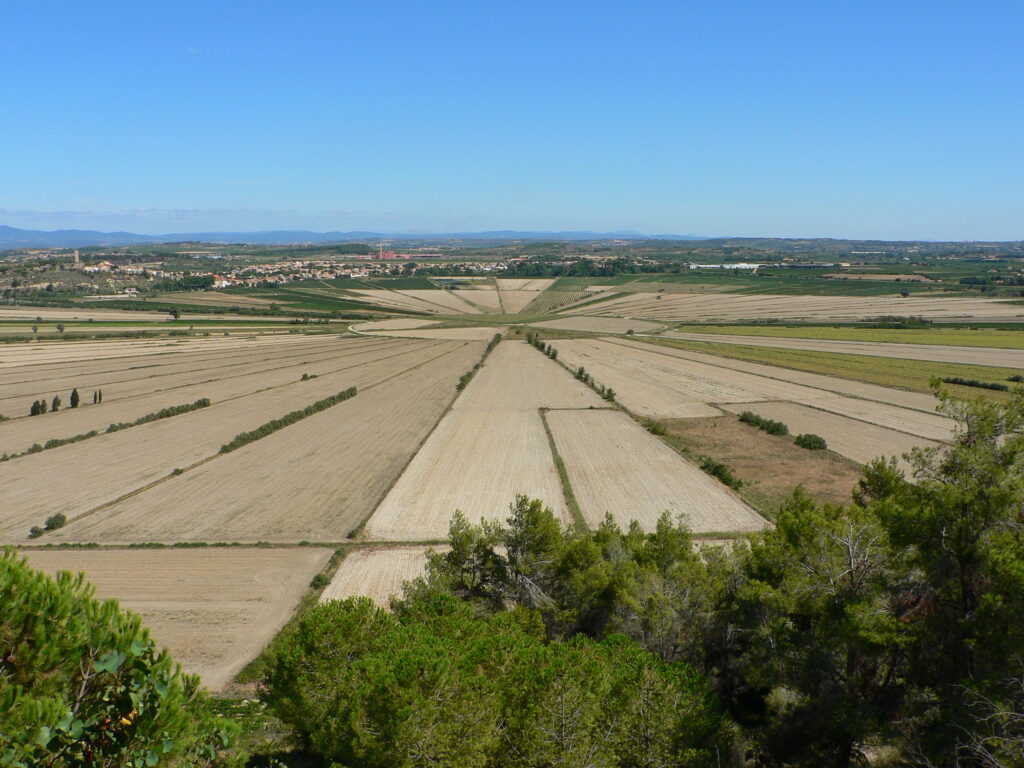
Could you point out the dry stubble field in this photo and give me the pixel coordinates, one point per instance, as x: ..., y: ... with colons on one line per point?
x: 491, y: 446
x: 376, y: 573
x: 214, y: 609
x: 617, y: 468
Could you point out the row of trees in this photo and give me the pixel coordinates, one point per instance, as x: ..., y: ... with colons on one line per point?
x: 39, y: 406
x: 891, y: 628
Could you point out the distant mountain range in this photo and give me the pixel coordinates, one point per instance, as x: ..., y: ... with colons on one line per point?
x: 11, y: 237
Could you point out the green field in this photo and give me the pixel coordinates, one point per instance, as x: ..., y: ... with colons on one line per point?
x: 905, y: 374
x: 962, y: 337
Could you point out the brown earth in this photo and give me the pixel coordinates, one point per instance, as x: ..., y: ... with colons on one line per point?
x: 770, y: 466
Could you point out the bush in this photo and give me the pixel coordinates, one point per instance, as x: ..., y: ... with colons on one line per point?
x: 721, y: 471
x: 82, y: 683
x: 655, y: 427
x: 1016, y: 378
x: 811, y: 442
x: 319, y: 581
x: 53, y: 522
x: 975, y: 383
x: 767, y: 425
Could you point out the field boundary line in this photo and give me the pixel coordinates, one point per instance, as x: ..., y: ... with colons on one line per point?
x: 358, y: 530
x: 563, y: 473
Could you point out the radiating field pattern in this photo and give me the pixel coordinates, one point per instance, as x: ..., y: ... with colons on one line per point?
x: 377, y: 477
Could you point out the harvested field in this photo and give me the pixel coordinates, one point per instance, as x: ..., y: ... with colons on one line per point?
x: 516, y: 301
x: 491, y: 446
x: 214, y: 609
x: 524, y: 284
x: 656, y: 382
x: 858, y: 371
x: 518, y: 293
x: 616, y: 467
x: 730, y: 306
x: 468, y: 333
x: 394, y: 299
x: 599, y: 325
x: 398, y: 324
x: 1006, y: 358
x: 376, y: 573
x: 485, y: 297
x: 830, y: 383
x: 854, y: 439
x: 144, y: 391
x: 988, y: 338
x: 318, y: 479
x: 75, y: 479
x: 215, y: 298
x: 58, y: 314
x: 448, y: 302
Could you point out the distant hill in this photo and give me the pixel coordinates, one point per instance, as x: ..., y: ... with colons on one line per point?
x: 11, y: 237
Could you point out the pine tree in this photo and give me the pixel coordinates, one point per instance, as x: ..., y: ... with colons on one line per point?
x: 73, y: 400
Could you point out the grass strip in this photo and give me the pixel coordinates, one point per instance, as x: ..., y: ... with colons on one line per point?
x: 915, y: 375
x: 563, y: 475
x: 270, y: 427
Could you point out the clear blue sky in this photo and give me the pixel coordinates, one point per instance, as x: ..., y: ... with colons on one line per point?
x: 826, y: 118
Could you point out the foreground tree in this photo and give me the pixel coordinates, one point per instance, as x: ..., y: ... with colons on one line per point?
x: 961, y: 525
x: 436, y: 684
x: 82, y: 684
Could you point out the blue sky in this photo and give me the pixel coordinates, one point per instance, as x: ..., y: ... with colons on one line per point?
x: 868, y: 119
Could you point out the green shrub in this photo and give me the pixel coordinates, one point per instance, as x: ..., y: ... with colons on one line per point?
x: 811, y: 442
x: 53, y: 522
x: 975, y: 383
x: 768, y: 425
x: 721, y: 471
x: 319, y: 581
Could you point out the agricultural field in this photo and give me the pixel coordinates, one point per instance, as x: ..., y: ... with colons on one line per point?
x: 376, y: 573
x: 328, y: 470
x: 912, y: 375
x: 490, y: 447
x: 277, y: 455
x: 599, y: 325
x: 617, y: 468
x: 83, y: 477
x: 858, y: 440
x: 658, y: 382
x: 994, y: 338
x: 214, y: 609
x: 738, y: 307
x: 998, y: 357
